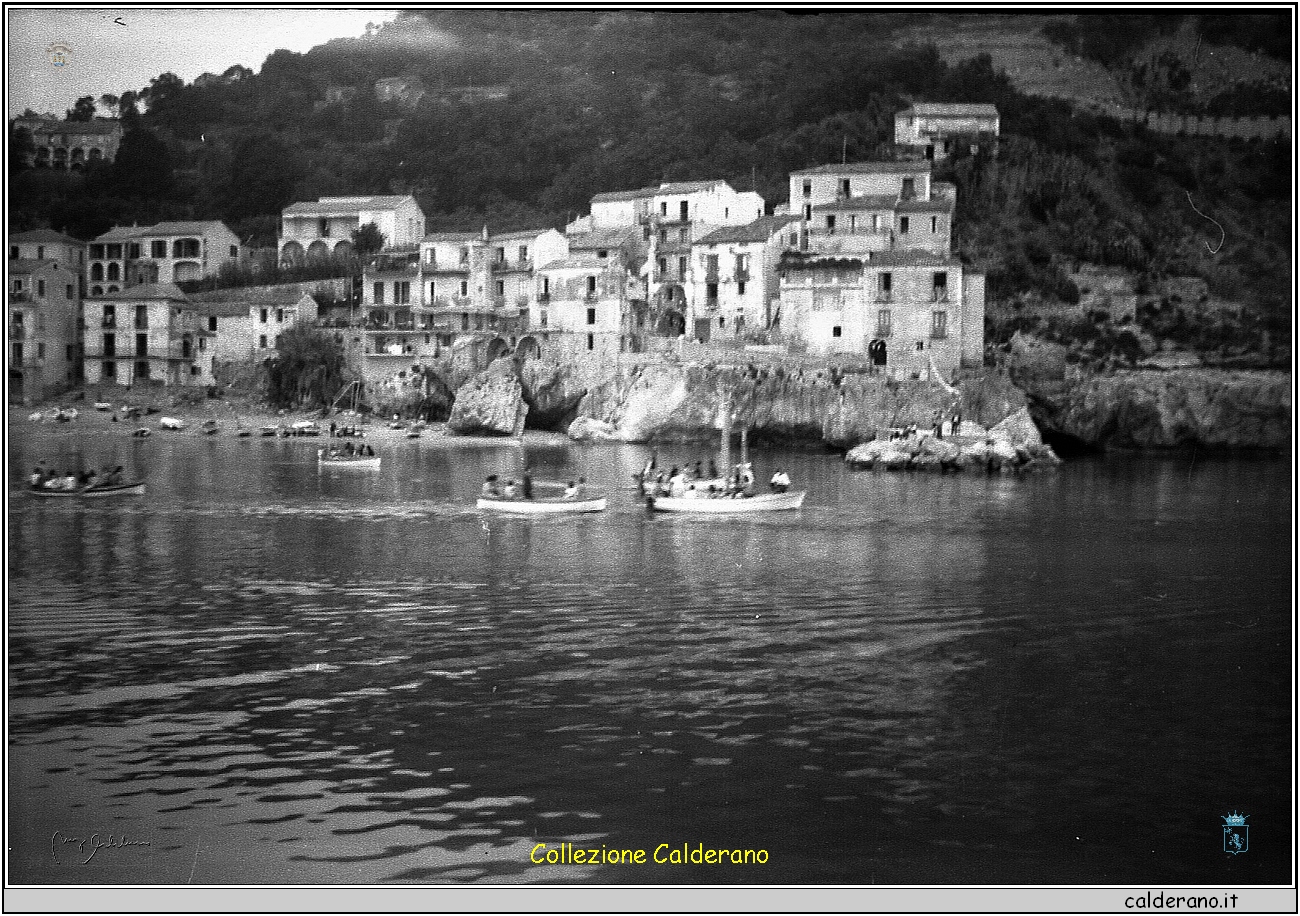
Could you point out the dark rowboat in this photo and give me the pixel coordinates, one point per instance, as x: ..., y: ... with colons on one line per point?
x: 129, y: 488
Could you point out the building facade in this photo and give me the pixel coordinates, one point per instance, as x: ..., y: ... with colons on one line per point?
x: 734, y: 277
x: 323, y: 229
x: 146, y: 334
x: 169, y: 252
x: 935, y: 129
x: 44, y: 303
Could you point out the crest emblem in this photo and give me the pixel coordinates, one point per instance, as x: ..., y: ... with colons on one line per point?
x: 1236, y: 833
x: 59, y: 53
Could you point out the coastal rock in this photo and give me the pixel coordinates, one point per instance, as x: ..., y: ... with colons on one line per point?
x: 1018, y: 429
x: 586, y: 429
x: 490, y: 403
x: 941, y: 449
x: 553, y: 393
x: 1205, y: 408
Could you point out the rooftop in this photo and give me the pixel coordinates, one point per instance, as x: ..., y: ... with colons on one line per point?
x: 148, y: 291
x: 48, y: 236
x: 601, y: 238
x: 951, y: 110
x: 760, y: 230
x: 911, y: 257
x: 861, y: 202
x: 183, y: 227
x: 866, y: 168
x: 286, y: 294
x: 668, y: 187
x: 53, y: 125
x: 453, y: 236
x: 933, y: 205
x: 331, y: 205
x: 521, y: 233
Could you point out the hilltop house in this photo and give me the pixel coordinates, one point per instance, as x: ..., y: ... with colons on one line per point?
x: 71, y: 145
x: 934, y: 129
x: 318, y: 230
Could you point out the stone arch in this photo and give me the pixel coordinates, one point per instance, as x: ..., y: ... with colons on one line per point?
x: 292, y: 255
x: 96, y: 271
x: 496, y: 349
x: 97, y: 290
x: 43, y: 157
x: 60, y: 157
x: 528, y: 348
x: 318, y: 251
x: 96, y: 154
x: 343, y: 250
x: 114, y: 271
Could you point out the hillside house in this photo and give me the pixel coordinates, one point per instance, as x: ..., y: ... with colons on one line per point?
x: 936, y: 129
x: 71, y: 145
x: 319, y: 230
x: 169, y: 252
x: 734, y: 277
x: 146, y: 334
x: 246, y: 323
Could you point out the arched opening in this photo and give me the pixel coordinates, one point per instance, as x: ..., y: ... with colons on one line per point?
x: 96, y: 155
x: 96, y: 271
x: 112, y: 289
x: 318, y: 251
x: 291, y: 255
x: 496, y: 349
x: 60, y: 158
x: 528, y: 348
x: 343, y: 251
x: 43, y: 157
x: 114, y: 271
x: 671, y: 323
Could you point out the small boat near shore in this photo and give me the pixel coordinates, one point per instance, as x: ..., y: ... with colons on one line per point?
x: 727, y: 505
x: 544, y: 505
x: 127, y: 488
x: 368, y: 462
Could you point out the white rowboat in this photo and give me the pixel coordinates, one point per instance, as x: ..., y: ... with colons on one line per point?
x: 135, y: 488
x: 371, y: 463
x: 764, y: 502
x: 547, y: 505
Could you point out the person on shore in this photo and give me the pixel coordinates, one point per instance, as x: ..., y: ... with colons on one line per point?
x: 70, y: 481
x: 571, y: 491
x: 511, y: 491
x: 956, y: 424
x: 490, y: 486
x: 699, y: 470
x: 528, y: 482
x: 676, y: 483
x: 333, y: 427
x: 713, y: 469
x: 349, y: 450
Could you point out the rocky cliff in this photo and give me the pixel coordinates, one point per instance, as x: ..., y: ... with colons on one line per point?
x: 490, y: 403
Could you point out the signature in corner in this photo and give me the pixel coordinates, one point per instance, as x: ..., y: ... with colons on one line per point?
x: 95, y: 842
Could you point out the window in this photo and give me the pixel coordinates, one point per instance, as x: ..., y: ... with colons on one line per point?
x: 401, y: 292
x: 830, y: 223
x: 96, y: 252
x: 433, y: 294
x: 158, y: 249
x: 464, y: 255
x: 591, y: 341
x: 722, y: 321
x: 40, y: 351
x: 591, y: 316
x: 711, y: 293
x: 663, y: 235
x: 711, y: 265
x: 902, y: 225
x: 685, y: 210
x: 940, y: 286
x: 194, y: 370
x: 807, y: 187
x: 663, y: 266
x: 523, y: 254
x: 663, y: 208
x: 264, y: 316
x: 464, y: 287
x: 464, y: 321
x: 110, y: 316
x: 646, y: 233
x: 212, y: 323
x: 279, y: 315
x: 885, y: 288
x: 500, y: 254
x: 97, y: 291
x: 591, y: 286
x: 234, y: 251
x: 261, y: 341
x: 142, y: 345
x: 909, y: 188
x: 844, y: 188
x: 934, y: 224
x: 543, y: 318
x: 115, y: 251
x: 96, y: 271
x: 13, y: 251
x: 875, y: 222
x: 683, y: 234
x: 68, y: 351
x: 68, y: 291
x: 40, y: 287
x: 203, y: 343
x: 501, y: 287
x: 681, y: 268
x: 807, y: 211
x: 939, y: 325
x: 324, y: 225
x: 110, y: 369
x: 920, y: 345
x: 142, y: 316
x: 602, y: 254
x: 114, y: 272
x: 378, y: 295
x: 837, y: 331
x: 40, y: 252
x: 546, y: 287
x: 740, y: 288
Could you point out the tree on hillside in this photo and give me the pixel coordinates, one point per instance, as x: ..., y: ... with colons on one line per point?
x: 127, y: 110
x: 82, y: 110
x: 21, y: 148
x: 307, y: 368
x: 143, y: 166
x: 367, y: 240
x: 263, y: 170
x: 109, y: 103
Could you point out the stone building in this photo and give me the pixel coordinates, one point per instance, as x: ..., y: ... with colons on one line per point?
x: 935, y: 129
x: 146, y: 334
x: 319, y: 230
x: 734, y: 277
x: 872, y: 272
x: 246, y: 323
x: 71, y: 145
x: 43, y: 301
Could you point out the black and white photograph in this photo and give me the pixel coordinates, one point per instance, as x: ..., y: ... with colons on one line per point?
x: 842, y: 457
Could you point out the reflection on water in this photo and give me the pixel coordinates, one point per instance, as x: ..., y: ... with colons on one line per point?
x: 272, y: 674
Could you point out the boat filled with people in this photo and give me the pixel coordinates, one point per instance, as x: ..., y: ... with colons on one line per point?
x: 530, y: 497
x: 690, y: 490
x: 48, y: 484
x: 722, y: 504
x: 349, y: 456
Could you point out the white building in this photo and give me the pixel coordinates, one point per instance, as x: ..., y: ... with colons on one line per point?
x: 734, y: 277
x: 318, y: 230
x: 935, y: 128
x: 168, y: 252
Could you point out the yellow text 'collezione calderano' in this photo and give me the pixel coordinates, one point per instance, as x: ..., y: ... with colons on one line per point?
x: 663, y: 854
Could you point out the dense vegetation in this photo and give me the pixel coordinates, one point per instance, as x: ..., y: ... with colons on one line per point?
x: 599, y: 101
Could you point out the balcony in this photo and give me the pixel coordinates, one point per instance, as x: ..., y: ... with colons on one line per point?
x: 109, y: 324
x: 20, y: 295
x: 401, y: 263
x: 742, y: 276
x: 506, y: 266
x: 940, y: 294
x: 141, y: 325
x: 938, y: 333
x: 17, y: 332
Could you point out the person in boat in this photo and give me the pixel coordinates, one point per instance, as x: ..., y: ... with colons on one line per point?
x: 659, y: 488
x: 510, y: 492
x: 582, y: 486
x: 676, y: 483
x: 37, y: 478
x: 349, y: 450
x: 747, y: 475
x: 91, y: 479
x: 691, y: 492
x: 70, y: 481
x: 780, y: 481
x: 528, y: 482
x: 490, y: 486
x: 713, y: 492
x: 571, y: 491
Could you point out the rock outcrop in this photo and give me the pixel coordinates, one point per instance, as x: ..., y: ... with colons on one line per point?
x: 491, y: 403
